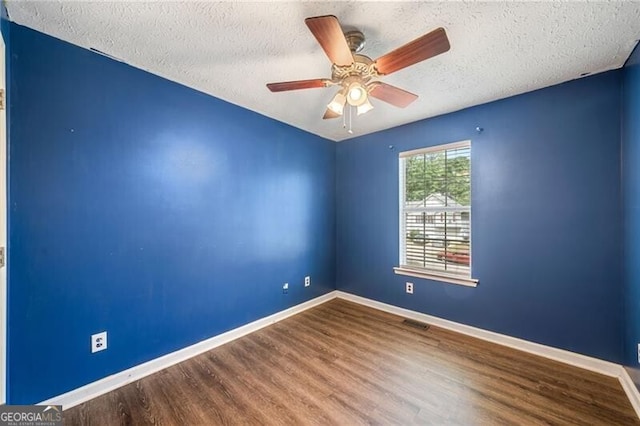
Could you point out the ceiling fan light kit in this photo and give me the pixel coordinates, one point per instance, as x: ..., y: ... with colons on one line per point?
x: 356, y: 94
x: 337, y: 103
x: 358, y: 75
x: 365, y: 107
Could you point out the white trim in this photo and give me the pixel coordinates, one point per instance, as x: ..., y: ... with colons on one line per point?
x: 452, y: 145
x: 405, y: 270
x: 630, y: 389
x: 403, y: 230
x: 593, y: 364
x: 436, y: 209
x: 3, y: 226
x: 577, y: 360
x: 107, y: 384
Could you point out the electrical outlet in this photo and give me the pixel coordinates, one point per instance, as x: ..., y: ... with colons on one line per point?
x: 98, y: 342
x: 307, y: 281
x: 409, y: 288
x: 285, y: 288
x: 638, y: 353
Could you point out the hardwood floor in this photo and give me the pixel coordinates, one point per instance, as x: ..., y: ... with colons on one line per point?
x: 345, y: 364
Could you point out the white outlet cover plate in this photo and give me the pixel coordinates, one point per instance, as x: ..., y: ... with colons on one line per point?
x: 98, y: 342
x: 409, y: 288
x: 307, y: 281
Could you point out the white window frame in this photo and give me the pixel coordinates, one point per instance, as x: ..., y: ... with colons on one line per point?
x: 415, y: 271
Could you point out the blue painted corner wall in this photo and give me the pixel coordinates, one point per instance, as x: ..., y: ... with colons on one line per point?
x: 546, y: 209
x: 150, y: 210
x: 631, y: 191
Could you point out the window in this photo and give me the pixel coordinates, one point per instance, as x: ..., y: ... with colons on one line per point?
x: 435, y: 183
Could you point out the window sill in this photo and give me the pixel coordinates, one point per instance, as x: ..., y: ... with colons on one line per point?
x: 402, y: 270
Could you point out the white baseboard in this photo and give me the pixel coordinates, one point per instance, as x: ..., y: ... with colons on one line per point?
x: 630, y: 389
x: 588, y: 363
x: 107, y: 384
x: 593, y: 364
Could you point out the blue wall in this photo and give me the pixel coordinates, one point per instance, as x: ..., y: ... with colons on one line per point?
x: 149, y: 210
x: 631, y: 188
x: 546, y: 210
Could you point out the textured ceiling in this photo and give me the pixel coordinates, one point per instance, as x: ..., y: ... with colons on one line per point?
x: 232, y: 49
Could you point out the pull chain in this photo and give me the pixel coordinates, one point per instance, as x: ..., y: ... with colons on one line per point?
x: 344, y: 120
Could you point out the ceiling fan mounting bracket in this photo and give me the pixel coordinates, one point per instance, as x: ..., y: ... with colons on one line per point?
x: 355, y: 40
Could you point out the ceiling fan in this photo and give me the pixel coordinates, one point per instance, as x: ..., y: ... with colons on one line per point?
x: 358, y: 75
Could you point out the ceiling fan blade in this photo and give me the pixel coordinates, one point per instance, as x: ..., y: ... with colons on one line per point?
x: 425, y: 47
x: 392, y: 94
x: 299, y: 84
x: 328, y: 32
x: 330, y: 114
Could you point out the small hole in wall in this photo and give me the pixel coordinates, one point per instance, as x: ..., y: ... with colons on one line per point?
x: 584, y: 74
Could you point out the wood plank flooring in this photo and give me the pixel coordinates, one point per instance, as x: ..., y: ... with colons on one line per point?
x: 344, y: 364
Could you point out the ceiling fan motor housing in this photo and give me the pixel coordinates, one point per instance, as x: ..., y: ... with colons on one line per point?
x: 362, y: 66
x: 355, y: 40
